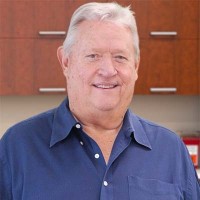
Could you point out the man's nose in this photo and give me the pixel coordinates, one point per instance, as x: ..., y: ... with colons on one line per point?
x: 107, y: 67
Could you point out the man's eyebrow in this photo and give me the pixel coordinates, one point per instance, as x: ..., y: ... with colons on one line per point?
x: 113, y: 50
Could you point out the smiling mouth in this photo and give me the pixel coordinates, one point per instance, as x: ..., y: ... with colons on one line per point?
x: 105, y: 86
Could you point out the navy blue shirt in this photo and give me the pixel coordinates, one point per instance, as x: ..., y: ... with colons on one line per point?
x: 49, y: 157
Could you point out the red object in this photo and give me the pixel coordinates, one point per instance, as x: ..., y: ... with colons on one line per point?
x: 193, y: 146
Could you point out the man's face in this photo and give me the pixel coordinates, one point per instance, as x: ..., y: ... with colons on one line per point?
x: 101, y: 70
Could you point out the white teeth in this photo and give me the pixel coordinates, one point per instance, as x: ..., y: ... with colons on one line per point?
x: 105, y: 86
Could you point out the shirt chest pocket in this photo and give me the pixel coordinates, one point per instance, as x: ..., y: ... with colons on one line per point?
x: 151, y: 189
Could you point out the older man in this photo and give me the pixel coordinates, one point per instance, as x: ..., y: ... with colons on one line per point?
x: 92, y: 147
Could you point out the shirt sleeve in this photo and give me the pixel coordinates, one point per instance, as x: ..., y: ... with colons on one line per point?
x: 193, y: 189
x: 193, y: 184
x: 5, y: 176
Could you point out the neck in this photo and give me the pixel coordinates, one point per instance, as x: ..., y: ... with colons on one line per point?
x: 100, y: 120
x: 102, y: 126
x: 103, y: 132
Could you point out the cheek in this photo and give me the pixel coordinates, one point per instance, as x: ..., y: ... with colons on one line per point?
x: 71, y: 78
x: 129, y: 76
x: 85, y: 74
x: 77, y: 78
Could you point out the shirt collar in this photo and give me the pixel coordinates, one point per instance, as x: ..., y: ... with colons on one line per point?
x: 63, y: 122
x: 135, y: 128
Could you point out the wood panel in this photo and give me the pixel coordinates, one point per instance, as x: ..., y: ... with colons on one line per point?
x: 16, y: 64
x: 161, y: 63
x: 27, y: 18
x: 188, y: 18
x: 161, y: 15
x: 47, y: 70
x: 189, y: 73
x: 141, y: 84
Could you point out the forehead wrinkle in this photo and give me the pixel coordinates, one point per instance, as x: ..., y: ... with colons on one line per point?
x: 94, y: 40
x: 112, y: 50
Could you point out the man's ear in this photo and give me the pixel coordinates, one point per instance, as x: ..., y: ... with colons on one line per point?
x: 137, y: 64
x: 62, y: 58
x: 137, y: 67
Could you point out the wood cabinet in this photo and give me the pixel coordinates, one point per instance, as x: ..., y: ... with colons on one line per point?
x: 169, y: 43
x: 170, y: 48
x: 17, y: 70
x: 24, y: 51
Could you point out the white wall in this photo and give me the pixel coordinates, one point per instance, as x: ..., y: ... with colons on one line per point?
x: 179, y: 113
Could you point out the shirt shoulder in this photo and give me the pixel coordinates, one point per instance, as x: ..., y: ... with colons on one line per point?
x: 156, y: 131
x: 26, y: 133
x: 36, y: 126
x: 160, y: 137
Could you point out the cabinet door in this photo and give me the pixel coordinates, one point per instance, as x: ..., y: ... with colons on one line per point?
x: 168, y: 17
x: 17, y: 19
x: 161, y: 17
x: 172, y: 64
x: 189, y: 70
x: 160, y: 65
x: 188, y: 19
x: 16, y: 66
x: 27, y: 65
x: 25, y: 19
x: 48, y: 74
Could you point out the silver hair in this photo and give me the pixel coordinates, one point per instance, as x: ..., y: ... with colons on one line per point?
x: 111, y: 12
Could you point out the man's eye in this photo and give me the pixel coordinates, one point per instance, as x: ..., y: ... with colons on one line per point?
x: 121, y: 58
x: 93, y: 56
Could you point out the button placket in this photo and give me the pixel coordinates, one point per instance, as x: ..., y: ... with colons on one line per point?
x: 107, y: 187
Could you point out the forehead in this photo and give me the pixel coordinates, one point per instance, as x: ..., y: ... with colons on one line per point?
x: 104, y: 34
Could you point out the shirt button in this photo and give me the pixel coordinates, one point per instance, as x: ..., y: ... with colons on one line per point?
x: 105, y: 183
x: 96, y: 155
x: 78, y: 126
x: 81, y: 143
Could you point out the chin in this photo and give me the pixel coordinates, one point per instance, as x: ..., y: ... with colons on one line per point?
x: 106, y: 106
